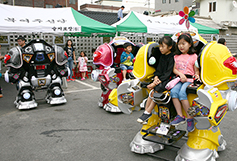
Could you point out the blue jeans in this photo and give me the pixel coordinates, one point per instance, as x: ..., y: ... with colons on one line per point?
x: 179, y: 91
x: 70, y: 66
x: 125, y: 67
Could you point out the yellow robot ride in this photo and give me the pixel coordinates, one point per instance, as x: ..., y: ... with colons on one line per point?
x: 209, y: 102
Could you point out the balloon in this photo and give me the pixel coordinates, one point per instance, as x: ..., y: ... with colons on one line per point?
x: 191, y: 19
x: 181, y: 13
x: 191, y: 14
x: 181, y: 21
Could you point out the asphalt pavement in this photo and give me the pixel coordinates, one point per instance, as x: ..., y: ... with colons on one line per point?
x: 78, y: 130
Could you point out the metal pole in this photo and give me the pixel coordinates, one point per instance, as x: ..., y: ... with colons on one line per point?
x: 66, y: 3
x: 13, y: 2
x: 148, y: 7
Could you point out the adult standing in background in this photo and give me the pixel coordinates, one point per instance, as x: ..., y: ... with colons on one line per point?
x: 71, y: 57
x: 222, y: 41
x: 21, y: 41
x: 120, y: 13
x: 1, y: 57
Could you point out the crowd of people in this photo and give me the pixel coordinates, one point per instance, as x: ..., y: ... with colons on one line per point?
x: 177, y: 60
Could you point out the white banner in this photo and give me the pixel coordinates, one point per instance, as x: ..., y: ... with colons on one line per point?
x: 17, y: 19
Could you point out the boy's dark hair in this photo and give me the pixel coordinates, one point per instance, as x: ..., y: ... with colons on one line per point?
x: 221, y: 41
x: 187, y: 37
x: 126, y: 44
x: 168, y: 41
x: 122, y: 7
x: 21, y: 38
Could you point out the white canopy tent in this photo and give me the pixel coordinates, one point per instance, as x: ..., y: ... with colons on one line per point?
x: 157, y: 25
x: 17, y: 19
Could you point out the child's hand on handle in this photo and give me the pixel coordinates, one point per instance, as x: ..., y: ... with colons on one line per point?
x: 196, y: 77
x: 183, y: 78
x: 151, y: 86
x: 129, y: 57
x: 156, y: 80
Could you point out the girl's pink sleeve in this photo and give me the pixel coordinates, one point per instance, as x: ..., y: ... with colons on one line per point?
x: 194, y: 57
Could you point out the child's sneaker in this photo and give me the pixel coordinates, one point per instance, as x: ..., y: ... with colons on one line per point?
x: 178, y: 120
x: 82, y: 78
x: 190, y: 125
x: 68, y: 80
x: 71, y: 79
x: 144, y: 117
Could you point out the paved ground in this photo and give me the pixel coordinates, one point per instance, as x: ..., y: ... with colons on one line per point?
x: 78, y: 130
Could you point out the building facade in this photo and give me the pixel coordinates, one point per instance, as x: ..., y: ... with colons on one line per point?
x: 172, y: 5
x: 109, y: 5
x: 99, y: 8
x: 42, y: 3
x: 223, y: 12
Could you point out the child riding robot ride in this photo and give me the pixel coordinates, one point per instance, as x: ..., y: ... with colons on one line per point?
x: 36, y: 66
x: 108, y: 72
x: 209, y: 103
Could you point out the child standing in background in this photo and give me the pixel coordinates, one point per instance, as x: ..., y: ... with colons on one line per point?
x: 185, y: 68
x: 82, y: 64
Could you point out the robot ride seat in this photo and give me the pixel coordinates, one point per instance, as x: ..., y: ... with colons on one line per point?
x: 118, y: 55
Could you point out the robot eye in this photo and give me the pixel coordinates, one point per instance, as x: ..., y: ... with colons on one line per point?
x: 48, y: 49
x: 231, y: 63
x: 28, y: 49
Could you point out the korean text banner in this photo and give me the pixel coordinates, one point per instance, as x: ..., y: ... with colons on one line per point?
x: 27, y: 20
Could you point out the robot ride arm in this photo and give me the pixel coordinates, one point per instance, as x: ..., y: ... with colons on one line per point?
x: 61, y: 60
x: 14, y: 62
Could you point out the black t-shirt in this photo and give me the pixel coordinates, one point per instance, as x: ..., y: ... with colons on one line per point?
x: 165, y: 67
x: 69, y: 51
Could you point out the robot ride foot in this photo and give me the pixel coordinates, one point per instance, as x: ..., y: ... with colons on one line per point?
x: 55, y: 93
x: 141, y: 146
x: 25, y: 99
x: 187, y: 153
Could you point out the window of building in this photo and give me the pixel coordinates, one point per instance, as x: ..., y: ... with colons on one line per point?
x: 48, y: 6
x: 212, y: 6
x: 176, y: 0
x: 163, y: 1
x: 169, y: 1
x: 72, y: 2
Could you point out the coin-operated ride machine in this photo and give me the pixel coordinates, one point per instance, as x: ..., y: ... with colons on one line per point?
x: 209, y: 102
x: 108, y: 71
x: 36, y: 66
